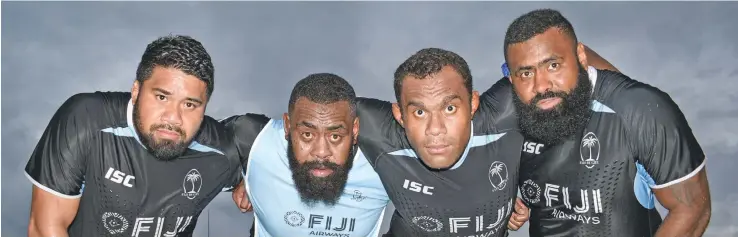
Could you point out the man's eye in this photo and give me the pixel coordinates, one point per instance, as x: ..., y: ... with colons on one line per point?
x: 450, y: 108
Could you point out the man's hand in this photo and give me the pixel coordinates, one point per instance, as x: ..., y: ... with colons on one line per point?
x: 689, y: 207
x: 241, y: 199
x: 520, y: 216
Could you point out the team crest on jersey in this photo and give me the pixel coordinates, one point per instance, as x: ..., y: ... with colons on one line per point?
x: 357, y: 196
x: 428, y: 223
x: 294, y: 218
x: 192, y: 184
x: 589, y: 150
x: 498, y: 175
x: 531, y: 191
x: 114, y: 223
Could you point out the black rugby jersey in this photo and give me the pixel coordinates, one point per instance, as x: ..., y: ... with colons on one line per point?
x: 599, y: 182
x: 473, y: 198
x: 90, y: 150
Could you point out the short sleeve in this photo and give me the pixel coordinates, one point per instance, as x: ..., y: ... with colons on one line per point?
x: 660, y: 136
x: 244, y: 129
x: 58, y: 163
x: 496, y: 112
x: 379, y: 132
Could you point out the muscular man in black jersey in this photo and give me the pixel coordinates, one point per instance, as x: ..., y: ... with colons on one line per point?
x: 599, y: 145
x: 144, y: 163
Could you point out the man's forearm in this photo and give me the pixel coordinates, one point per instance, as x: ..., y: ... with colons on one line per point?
x: 689, y: 207
x: 678, y: 224
x: 36, y: 230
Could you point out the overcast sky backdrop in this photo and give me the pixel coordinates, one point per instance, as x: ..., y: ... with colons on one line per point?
x: 53, y: 50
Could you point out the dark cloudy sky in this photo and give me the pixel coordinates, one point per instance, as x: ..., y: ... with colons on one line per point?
x: 53, y: 50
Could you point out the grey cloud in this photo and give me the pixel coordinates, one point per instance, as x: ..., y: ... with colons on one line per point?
x: 52, y: 50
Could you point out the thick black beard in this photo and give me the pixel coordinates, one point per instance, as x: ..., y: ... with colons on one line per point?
x: 560, y: 123
x: 164, y: 150
x: 313, y: 189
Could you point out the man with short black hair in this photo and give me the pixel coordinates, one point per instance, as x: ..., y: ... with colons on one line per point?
x: 446, y: 174
x: 144, y: 163
x: 304, y: 173
x: 599, y: 145
x: 317, y: 138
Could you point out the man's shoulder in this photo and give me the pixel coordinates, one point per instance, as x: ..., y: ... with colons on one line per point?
x: 620, y: 94
x: 496, y: 112
x: 96, y: 110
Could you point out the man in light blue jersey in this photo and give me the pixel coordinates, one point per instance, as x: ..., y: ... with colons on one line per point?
x: 304, y: 174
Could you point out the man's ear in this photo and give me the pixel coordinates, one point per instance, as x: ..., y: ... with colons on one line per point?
x: 135, y: 89
x: 397, y: 113
x: 356, y: 129
x: 474, y: 102
x: 286, y: 120
x: 582, y: 54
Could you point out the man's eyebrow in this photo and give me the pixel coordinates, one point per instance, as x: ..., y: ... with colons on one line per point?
x: 307, y: 124
x: 166, y: 92
x: 196, y: 100
x: 415, y: 104
x: 449, y: 98
x: 335, y: 127
x: 538, y: 64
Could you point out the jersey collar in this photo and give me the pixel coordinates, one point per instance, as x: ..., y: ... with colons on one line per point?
x: 466, y: 150
x: 129, y: 121
x: 592, y: 74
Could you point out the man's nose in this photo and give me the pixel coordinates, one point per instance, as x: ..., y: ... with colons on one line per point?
x: 321, y: 150
x: 172, y: 115
x: 436, y: 125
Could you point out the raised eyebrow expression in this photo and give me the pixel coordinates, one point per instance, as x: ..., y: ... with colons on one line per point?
x: 332, y: 128
x: 446, y: 101
x: 196, y: 101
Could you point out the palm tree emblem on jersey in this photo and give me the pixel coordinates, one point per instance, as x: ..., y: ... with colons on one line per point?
x: 192, y: 184
x: 192, y: 177
x: 589, y: 141
x: 498, y: 169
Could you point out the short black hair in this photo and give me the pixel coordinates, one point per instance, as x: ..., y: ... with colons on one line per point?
x: 324, y: 88
x: 179, y: 52
x: 535, y: 23
x: 430, y: 61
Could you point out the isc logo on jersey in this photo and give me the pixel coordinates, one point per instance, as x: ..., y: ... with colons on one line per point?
x: 587, y: 212
x: 417, y: 187
x: 119, y: 177
x: 483, y: 225
x: 115, y: 223
x: 532, y: 147
x: 323, y: 225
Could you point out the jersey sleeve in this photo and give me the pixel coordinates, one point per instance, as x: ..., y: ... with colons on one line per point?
x: 496, y: 112
x: 244, y: 129
x: 660, y: 136
x: 58, y: 163
x: 378, y: 131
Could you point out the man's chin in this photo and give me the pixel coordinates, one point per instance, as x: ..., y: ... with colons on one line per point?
x: 440, y: 162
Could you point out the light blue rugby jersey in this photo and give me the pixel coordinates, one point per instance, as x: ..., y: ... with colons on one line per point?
x: 278, y: 210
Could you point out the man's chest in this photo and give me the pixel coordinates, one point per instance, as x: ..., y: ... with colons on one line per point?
x: 579, y: 178
x: 473, y: 199
x: 280, y: 210
x: 123, y: 178
x: 600, y: 147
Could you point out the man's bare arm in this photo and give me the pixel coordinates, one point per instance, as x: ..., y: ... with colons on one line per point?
x: 689, y: 207
x: 51, y: 215
x: 595, y: 60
